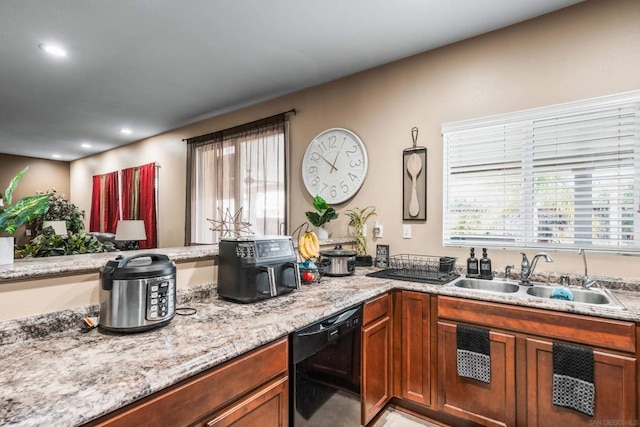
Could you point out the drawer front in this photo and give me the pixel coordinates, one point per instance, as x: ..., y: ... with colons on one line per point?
x: 376, y: 309
x: 189, y: 401
x: 592, y: 331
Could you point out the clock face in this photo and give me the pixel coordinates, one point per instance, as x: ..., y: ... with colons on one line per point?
x: 334, y: 165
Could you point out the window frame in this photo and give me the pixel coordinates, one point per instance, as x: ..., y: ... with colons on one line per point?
x: 524, y: 122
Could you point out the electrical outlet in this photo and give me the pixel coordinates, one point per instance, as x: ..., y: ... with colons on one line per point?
x: 406, y: 231
x: 377, y: 230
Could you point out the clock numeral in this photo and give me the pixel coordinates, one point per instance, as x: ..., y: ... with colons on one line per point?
x: 315, y: 156
x: 355, y: 164
x: 332, y: 142
x: 353, y: 150
x: 353, y: 177
x: 312, y: 169
x: 315, y: 181
x: 345, y: 187
x: 334, y: 191
x: 324, y: 188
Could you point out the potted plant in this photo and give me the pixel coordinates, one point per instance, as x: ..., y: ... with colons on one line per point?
x: 324, y: 213
x: 60, y: 209
x: 357, y: 219
x: 13, y: 215
x: 48, y: 243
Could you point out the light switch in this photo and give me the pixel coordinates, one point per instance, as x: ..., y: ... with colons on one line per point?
x: 406, y: 231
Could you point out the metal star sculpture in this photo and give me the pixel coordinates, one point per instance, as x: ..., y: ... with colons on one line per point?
x: 228, y: 224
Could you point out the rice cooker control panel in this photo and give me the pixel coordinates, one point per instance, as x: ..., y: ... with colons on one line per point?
x: 161, y: 297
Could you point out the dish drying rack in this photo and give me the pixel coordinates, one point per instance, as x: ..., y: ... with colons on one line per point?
x: 425, y: 267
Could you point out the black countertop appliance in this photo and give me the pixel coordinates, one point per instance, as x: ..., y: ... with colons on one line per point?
x: 255, y: 268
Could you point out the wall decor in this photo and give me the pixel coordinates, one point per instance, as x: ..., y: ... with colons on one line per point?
x: 335, y: 165
x: 382, y: 256
x: 414, y: 181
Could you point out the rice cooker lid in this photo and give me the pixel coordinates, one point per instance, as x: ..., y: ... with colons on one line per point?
x: 338, y: 252
x: 139, y: 266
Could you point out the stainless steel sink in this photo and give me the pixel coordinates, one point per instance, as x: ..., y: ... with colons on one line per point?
x: 495, y: 286
x: 585, y: 296
x: 593, y: 296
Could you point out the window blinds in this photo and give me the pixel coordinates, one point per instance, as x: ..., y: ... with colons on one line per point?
x: 562, y: 177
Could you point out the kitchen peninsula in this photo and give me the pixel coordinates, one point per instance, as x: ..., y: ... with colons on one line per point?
x: 69, y: 378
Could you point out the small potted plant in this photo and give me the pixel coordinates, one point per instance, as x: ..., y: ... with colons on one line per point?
x: 324, y: 213
x: 13, y: 215
x: 357, y: 219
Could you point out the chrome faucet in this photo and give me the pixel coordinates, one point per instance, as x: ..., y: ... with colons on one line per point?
x: 526, y: 269
x: 507, y: 271
x: 586, y: 281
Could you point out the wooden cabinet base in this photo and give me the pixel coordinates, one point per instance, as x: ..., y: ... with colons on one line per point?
x: 267, y: 407
x: 489, y: 404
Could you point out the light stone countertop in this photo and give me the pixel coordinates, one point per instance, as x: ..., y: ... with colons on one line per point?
x: 67, y: 378
x: 35, y: 268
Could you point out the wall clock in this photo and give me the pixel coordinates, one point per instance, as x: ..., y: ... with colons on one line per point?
x: 334, y: 165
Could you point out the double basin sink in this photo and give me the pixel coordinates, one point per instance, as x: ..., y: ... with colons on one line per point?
x: 594, y: 297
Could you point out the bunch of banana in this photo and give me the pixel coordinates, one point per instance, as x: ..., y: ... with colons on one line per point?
x: 308, y: 245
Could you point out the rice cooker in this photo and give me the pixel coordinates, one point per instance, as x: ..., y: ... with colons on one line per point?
x: 337, y: 262
x: 137, y: 293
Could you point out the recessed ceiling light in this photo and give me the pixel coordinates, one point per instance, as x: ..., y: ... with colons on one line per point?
x: 56, y: 156
x: 126, y: 131
x: 53, y: 49
x: 85, y: 145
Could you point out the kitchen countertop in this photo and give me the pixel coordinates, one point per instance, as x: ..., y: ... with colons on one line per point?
x: 67, y: 378
x: 35, y: 268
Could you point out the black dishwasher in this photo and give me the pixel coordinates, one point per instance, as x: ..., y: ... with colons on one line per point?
x: 325, y: 371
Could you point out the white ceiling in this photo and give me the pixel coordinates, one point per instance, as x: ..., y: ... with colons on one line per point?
x: 155, y: 65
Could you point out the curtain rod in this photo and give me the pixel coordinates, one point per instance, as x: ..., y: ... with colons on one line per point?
x: 212, y: 134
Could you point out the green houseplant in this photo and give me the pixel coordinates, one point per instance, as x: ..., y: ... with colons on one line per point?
x: 324, y: 213
x: 60, y: 209
x: 47, y: 244
x: 13, y: 215
x: 357, y: 219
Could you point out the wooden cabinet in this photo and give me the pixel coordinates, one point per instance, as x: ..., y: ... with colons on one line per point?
x: 265, y: 407
x: 489, y: 404
x: 249, y: 390
x: 615, y: 385
x: 415, y: 348
x: 524, y: 337
x: 376, y: 357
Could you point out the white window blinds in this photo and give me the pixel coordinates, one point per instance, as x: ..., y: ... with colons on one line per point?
x: 561, y: 177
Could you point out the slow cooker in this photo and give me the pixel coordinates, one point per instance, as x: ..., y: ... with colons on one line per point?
x: 337, y: 262
x: 137, y: 293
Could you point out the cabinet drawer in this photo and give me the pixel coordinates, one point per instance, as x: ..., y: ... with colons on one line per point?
x: 376, y: 309
x: 591, y: 331
x: 192, y: 399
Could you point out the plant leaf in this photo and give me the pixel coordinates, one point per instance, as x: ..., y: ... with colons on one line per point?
x: 8, y: 193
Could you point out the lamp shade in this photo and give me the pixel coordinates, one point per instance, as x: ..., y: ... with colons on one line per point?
x: 60, y: 227
x: 130, y: 229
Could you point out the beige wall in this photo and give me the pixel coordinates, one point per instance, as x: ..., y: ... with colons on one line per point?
x: 585, y: 51
x: 43, y: 175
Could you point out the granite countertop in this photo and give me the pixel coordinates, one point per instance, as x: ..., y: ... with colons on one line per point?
x: 35, y: 268
x: 67, y: 378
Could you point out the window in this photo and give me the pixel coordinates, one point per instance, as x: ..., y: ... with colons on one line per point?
x: 243, y: 167
x: 560, y: 177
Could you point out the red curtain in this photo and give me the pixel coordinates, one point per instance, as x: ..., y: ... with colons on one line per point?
x: 147, y: 197
x: 94, y: 216
x: 111, y: 202
x: 127, y: 190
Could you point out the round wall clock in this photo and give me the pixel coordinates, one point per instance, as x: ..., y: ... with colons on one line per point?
x: 334, y: 165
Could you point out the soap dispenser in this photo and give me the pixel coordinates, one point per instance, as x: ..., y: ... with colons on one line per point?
x: 486, y: 272
x: 472, y: 265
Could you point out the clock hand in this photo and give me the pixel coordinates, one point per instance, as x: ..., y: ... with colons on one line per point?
x: 329, y: 163
x: 333, y: 165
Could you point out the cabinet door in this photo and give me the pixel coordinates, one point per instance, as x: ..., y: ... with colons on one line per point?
x: 492, y: 404
x: 615, y: 389
x: 266, y: 407
x: 415, y: 362
x: 376, y: 367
